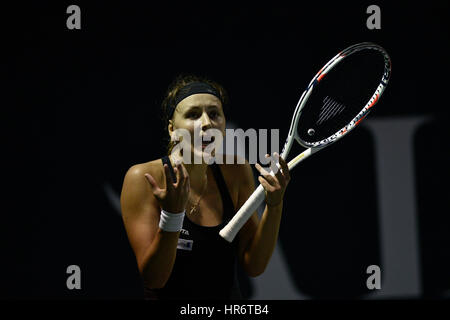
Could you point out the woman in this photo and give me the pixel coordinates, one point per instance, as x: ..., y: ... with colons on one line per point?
x: 173, y: 211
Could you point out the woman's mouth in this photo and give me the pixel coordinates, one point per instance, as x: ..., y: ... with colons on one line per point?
x: 206, y: 141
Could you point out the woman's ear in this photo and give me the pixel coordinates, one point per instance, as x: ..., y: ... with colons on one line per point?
x: 170, y: 127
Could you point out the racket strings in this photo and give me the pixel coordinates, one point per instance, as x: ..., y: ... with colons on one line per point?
x: 340, y: 95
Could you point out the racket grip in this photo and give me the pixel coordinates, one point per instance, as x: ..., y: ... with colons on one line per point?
x: 230, y: 231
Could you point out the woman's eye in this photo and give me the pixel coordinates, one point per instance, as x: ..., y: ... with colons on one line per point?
x: 192, y: 115
x: 213, y: 114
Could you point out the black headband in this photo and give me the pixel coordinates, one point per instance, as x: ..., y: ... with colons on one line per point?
x: 189, y: 90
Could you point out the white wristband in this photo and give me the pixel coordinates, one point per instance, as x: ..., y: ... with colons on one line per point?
x: 171, y: 222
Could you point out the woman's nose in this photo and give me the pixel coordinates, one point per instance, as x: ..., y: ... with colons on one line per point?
x: 206, y: 122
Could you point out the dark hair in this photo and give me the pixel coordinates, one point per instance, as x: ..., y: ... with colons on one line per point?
x: 179, y: 82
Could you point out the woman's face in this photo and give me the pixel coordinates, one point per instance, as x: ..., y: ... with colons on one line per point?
x: 198, y: 113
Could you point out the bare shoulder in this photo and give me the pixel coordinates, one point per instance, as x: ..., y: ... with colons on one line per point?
x: 154, y: 167
x: 136, y: 196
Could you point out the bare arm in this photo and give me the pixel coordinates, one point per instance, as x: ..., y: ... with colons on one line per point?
x: 258, y: 238
x: 141, y: 202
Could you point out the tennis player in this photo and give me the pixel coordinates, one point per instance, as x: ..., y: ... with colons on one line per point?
x: 173, y: 210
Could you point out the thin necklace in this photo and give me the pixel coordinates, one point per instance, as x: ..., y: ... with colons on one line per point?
x: 195, y: 207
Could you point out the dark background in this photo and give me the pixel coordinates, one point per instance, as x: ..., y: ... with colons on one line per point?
x: 82, y: 106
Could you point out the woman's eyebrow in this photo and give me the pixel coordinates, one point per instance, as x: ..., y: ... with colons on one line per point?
x: 209, y: 106
x: 192, y: 107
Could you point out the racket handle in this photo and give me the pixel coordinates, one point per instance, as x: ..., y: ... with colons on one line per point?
x: 230, y: 231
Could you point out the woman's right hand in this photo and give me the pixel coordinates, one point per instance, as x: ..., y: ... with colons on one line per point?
x: 174, y: 197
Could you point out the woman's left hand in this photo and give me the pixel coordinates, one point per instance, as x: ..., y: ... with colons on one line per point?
x: 274, y: 186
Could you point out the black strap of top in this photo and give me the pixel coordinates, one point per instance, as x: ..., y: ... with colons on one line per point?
x: 166, y: 160
x: 226, y: 197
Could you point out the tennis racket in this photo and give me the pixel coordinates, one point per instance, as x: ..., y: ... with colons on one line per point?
x: 336, y: 100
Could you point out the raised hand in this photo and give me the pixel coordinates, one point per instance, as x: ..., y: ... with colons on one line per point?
x: 274, y: 185
x: 175, y: 196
